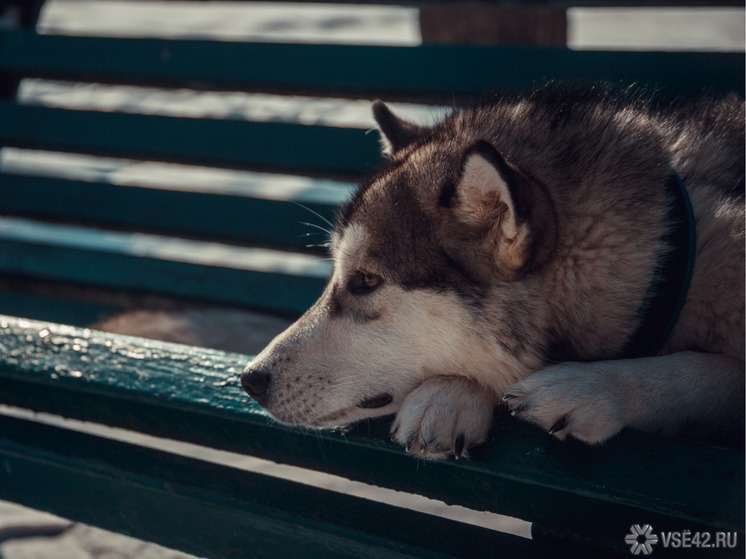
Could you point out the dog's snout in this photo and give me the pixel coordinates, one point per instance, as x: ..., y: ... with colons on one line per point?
x: 256, y: 383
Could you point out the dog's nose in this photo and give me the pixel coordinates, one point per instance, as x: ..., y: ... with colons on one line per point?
x: 256, y: 382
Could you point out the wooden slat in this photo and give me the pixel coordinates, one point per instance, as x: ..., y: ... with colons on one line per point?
x: 535, y: 3
x: 428, y: 72
x: 193, y: 394
x: 215, y: 511
x: 317, y: 150
x: 279, y: 223
x: 257, y: 278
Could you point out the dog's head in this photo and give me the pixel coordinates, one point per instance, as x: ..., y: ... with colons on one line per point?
x: 423, y: 254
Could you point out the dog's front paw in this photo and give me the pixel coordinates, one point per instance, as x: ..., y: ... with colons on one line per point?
x: 444, y: 416
x: 573, y: 399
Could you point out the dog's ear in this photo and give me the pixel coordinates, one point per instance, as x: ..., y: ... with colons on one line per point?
x: 395, y: 132
x: 501, y: 208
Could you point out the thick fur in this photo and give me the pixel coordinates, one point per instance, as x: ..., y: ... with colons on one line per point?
x: 504, y: 256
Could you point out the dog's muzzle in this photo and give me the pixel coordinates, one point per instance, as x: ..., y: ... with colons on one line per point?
x: 256, y: 384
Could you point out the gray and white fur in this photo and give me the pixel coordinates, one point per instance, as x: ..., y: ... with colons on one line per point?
x: 503, y: 256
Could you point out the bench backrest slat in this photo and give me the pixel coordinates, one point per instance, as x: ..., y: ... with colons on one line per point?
x: 319, y: 150
x: 206, y: 215
x: 427, y: 72
x: 256, y: 278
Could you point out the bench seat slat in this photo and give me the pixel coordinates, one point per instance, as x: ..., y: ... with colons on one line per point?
x: 315, y: 150
x: 192, y: 394
x: 252, y: 220
x: 355, y: 71
x: 216, y: 511
x: 259, y: 278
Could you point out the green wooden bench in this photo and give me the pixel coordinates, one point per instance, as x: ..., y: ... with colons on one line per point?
x: 61, y: 236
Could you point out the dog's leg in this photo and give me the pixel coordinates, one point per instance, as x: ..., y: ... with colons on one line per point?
x: 444, y: 416
x: 694, y: 394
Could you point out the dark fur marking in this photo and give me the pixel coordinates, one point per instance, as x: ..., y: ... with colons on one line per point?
x: 467, y: 286
x: 367, y: 316
x: 337, y: 306
x: 402, y: 229
x: 560, y: 349
x: 348, y: 210
x: 447, y: 275
x: 447, y: 193
x: 376, y: 402
x: 503, y: 344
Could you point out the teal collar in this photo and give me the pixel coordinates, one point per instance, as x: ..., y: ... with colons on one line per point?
x: 667, y: 292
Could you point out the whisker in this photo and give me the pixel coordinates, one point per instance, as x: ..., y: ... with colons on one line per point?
x: 317, y: 214
x: 325, y: 230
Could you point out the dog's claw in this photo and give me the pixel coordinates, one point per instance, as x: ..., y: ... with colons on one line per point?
x: 458, y: 447
x: 508, y: 397
x: 521, y: 408
x: 560, y: 424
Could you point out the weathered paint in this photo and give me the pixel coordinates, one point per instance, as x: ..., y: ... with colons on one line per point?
x: 193, y: 394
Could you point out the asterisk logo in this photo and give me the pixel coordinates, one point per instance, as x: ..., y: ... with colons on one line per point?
x: 641, y: 539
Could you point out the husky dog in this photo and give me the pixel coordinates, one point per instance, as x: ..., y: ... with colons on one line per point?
x: 575, y: 255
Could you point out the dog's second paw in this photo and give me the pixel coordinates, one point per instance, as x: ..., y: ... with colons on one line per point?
x: 573, y: 399
x: 444, y: 416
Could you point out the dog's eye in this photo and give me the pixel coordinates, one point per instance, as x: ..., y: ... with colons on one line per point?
x: 362, y: 283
